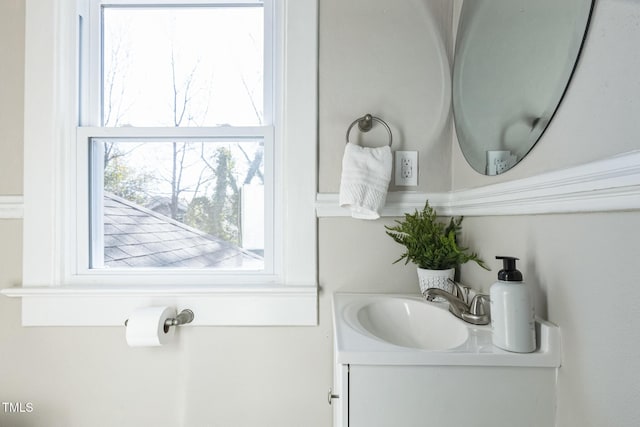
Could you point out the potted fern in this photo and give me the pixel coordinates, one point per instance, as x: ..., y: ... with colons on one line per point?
x: 432, y: 246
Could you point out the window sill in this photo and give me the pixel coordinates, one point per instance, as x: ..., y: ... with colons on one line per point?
x: 212, y: 306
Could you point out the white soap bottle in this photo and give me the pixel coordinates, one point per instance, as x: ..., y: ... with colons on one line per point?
x: 512, y: 317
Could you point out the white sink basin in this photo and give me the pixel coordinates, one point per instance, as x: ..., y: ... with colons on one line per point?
x: 381, y: 329
x: 410, y: 323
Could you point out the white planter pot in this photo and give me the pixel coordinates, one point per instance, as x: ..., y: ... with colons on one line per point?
x: 436, y: 279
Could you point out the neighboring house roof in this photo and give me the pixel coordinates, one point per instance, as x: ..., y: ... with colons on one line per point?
x: 138, y: 237
x: 162, y: 205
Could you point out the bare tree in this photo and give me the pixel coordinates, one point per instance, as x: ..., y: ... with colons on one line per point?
x: 212, y: 198
x: 182, y: 94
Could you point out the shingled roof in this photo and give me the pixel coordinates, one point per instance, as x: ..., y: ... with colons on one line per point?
x: 138, y: 237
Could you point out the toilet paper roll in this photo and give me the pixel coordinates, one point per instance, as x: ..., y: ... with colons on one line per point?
x: 145, y: 327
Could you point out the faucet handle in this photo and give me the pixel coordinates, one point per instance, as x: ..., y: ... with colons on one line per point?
x: 478, y: 305
x: 477, y: 313
x: 459, y: 291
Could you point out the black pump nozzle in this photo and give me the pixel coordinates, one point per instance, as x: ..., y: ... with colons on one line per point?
x: 509, y: 273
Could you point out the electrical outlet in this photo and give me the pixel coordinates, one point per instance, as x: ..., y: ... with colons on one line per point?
x: 406, y: 168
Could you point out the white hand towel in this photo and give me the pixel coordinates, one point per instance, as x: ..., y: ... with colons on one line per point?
x: 366, y: 173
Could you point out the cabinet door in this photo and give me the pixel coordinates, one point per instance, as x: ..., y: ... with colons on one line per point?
x: 438, y: 396
x: 390, y: 396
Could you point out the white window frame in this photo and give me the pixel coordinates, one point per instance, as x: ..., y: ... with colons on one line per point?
x: 77, y: 270
x: 53, y: 293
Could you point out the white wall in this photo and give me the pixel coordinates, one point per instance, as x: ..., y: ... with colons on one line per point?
x: 390, y: 60
x: 583, y: 269
x: 11, y: 95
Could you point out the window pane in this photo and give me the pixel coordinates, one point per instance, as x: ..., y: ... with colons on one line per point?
x: 183, y: 66
x: 178, y: 204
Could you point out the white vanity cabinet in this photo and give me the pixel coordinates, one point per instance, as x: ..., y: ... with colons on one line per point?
x: 392, y: 368
x: 443, y: 396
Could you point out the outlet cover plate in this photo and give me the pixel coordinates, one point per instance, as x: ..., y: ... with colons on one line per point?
x: 406, y: 168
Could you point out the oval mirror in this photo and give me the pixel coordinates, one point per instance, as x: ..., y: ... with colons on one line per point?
x: 513, y: 62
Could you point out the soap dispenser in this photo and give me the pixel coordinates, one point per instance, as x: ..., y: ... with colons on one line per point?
x: 512, y: 318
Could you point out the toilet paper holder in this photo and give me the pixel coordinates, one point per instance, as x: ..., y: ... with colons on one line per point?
x: 184, y: 317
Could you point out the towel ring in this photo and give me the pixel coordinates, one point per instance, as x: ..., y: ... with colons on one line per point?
x: 365, y: 123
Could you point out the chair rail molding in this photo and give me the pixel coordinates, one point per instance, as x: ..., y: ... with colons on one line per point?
x: 611, y: 184
x: 11, y: 207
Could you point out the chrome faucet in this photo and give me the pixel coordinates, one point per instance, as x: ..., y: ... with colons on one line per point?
x: 474, y: 312
x: 456, y: 305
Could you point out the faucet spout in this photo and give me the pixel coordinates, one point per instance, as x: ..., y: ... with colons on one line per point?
x: 456, y: 306
x: 473, y: 313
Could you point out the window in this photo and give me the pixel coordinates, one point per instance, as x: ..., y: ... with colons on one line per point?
x: 181, y: 200
x: 167, y: 144
x: 183, y: 204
